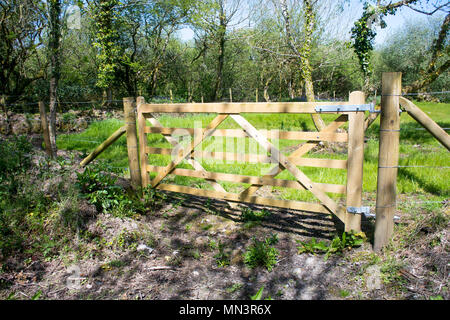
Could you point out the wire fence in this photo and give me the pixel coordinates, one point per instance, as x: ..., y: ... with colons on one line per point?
x: 98, y: 118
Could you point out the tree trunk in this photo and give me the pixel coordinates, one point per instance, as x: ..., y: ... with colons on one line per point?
x: 305, y: 64
x: 221, y: 59
x: 304, y: 53
x: 55, y: 66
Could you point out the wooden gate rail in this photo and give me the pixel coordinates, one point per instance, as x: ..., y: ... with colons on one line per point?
x: 355, y: 139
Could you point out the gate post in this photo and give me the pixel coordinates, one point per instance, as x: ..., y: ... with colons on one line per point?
x: 387, y: 158
x: 355, y: 162
x: 44, y: 126
x: 143, y: 159
x: 129, y: 106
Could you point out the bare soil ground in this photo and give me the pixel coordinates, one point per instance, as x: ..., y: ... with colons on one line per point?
x: 171, y: 253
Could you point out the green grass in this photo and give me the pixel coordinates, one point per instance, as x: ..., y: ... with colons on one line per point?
x: 418, y: 148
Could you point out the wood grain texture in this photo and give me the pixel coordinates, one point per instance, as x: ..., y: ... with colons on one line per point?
x: 355, y: 163
x: 236, y: 108
x: 387, y: 158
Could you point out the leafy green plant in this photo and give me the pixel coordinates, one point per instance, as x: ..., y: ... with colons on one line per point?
x: 258, y: 295
x: 337, y: 245
x: 344, y: 293
x: 261, y: 253
x: 250, y: 215
x: 14, y: 160
x: 223, y: 256
x: 100, y: 188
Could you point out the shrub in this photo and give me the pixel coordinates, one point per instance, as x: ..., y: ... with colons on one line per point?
x: 98, y: 185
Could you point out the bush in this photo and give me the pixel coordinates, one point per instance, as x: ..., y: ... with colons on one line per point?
x: 14, y: 160
x: 99, y: 186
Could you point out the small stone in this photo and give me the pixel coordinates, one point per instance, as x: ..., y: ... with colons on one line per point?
x: 143, y: 247
x: 298, y: 272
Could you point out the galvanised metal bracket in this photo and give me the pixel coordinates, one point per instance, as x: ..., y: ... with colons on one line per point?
x: 349, y: 108
x: 365, y: 211
x: 359, y: 210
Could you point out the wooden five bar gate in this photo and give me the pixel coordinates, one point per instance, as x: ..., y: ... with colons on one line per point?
x: 352, y: 112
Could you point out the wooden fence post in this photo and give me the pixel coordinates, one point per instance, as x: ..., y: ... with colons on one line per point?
x: 143, y: 159
x: 256, y: 93
x: 355, y: 162
x: 44, y: 126
x: 129, y: 108
x: 231, y: 95
x: 387, y: 158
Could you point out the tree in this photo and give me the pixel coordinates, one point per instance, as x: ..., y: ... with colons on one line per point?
x: 211, y: 22
x: 104, y: 13
x: 55, y: 66
x: 364, y: 32
x: 21, y: 25
x: 302, y: 51
x: 409, y: 51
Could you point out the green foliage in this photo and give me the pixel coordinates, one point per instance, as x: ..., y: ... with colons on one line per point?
x: 98, y: 184
x: 261, y: 253
x: 344, y: 293
x: 223, y: 256
x: 259, y: 295
x: 17, y: 197
x: 105, y: 17
x: 337, y: 245
x: 100, y: 188
x: 250, y: 217
x: 14, y: 161
x: 363, y: 33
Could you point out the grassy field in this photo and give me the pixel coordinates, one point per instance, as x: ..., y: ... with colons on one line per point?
x: 418, y: 148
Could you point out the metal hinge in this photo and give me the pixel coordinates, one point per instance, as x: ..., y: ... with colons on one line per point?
x: 359, y: 210
x: 349, y: 108
x: 365, y: 211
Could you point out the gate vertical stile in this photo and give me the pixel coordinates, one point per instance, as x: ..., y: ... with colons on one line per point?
x: 355, y: 162
x: 143, y: 158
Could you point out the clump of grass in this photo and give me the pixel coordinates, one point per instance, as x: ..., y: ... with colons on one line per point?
x: 337, y: 245
x: 223, y: 256
x: 251, y: 218
x: 262, y: 253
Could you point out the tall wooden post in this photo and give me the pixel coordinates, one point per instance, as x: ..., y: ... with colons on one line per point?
x: 256, y: 93
x: 143, y: 158
x: 44, y: 126
x: 171, y: 96
x: 231, y: 95
x: 129, y: 109
x: 355, y: 162
x: 387, y: 158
